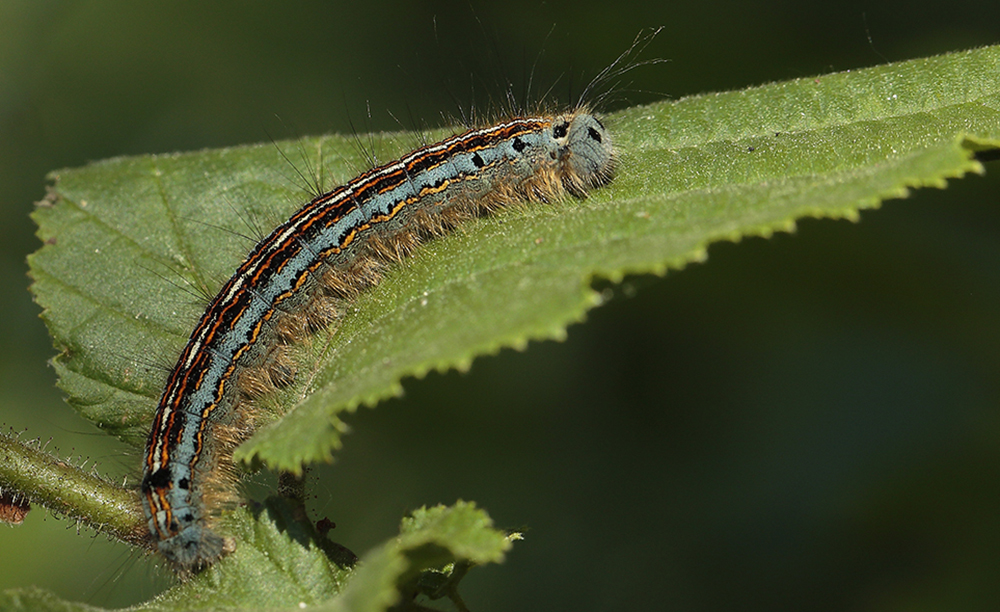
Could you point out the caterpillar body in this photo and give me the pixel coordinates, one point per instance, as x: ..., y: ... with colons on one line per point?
x: 294, y: 281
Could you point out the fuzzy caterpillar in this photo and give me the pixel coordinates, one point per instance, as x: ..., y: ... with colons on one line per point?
x: 294, y: 280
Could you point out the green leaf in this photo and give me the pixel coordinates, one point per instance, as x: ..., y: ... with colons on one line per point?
x: 33, y: 599
x: 281, y: 563
x: 432, y: 538
x: 121, y: 235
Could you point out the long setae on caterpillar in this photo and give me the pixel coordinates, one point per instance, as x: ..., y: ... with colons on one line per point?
x: 294, y: 281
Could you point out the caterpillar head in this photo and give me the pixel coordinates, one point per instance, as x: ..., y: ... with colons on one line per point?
x: 586, y: 155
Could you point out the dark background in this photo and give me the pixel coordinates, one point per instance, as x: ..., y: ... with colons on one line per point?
x: 805, y: 422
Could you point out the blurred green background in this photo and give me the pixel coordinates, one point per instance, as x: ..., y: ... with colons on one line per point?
x: 805, y: 422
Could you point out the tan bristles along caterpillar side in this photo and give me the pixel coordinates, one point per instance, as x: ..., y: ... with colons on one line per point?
x: 293, y: 281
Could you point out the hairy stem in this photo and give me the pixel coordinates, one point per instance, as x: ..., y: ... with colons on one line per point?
x: 32, y: 474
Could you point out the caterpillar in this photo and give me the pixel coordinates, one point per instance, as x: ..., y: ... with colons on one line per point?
x: 295, y: 280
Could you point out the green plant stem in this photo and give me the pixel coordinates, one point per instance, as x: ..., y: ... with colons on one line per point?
x: 67, y: 490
